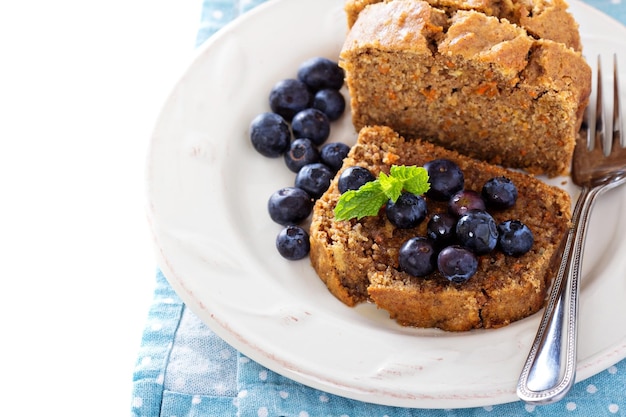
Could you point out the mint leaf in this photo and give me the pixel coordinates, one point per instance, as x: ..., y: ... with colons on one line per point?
x: 414, y: 179
x: 391, y: 186
x: 366, y: 201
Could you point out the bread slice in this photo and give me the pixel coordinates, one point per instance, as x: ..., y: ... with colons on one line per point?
x: 466, y: 81
x: 358, y: 259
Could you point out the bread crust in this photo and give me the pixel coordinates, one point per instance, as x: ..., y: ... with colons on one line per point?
x: 542, y: 19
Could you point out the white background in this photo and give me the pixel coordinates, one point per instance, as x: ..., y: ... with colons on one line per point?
x: 81, y: 85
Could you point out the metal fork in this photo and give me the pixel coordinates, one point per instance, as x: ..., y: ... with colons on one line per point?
x: 549, y: 371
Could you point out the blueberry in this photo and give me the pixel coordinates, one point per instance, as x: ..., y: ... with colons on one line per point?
x: 500, y: 193
x: 408, y: 211
x: 445, y: 177
x: 331, y: 102
x: 289, y: 205
x: 288, y: 97
x: 293, y: 243
x: 477, y: 231
x: 320, y: 72
x: 417, y: 257
x: 352, y: 178
x: 333, y: 154
x: 270, y: 134
x: 465, y: 200
x: 457, y: 264
x: 301, y: 152
x: 314, y: 179
x: 441, y: 229
x: 312, y: 124
x: 515, y: 238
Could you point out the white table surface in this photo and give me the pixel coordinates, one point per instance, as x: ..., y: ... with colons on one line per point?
x: 81, y: 84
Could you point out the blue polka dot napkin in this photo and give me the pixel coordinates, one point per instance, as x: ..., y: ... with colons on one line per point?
x: 184, y: 370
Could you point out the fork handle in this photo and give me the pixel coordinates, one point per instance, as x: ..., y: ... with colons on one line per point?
x: 550, y: 369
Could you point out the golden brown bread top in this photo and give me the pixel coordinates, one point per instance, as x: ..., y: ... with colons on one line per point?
x: 476, y: 36
x: 415, y: 26
x: 549, y: 20
x: 410, y: 26
x: 543, y: 19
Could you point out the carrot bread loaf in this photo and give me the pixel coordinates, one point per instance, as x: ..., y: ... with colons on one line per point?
x: 466, y: 81
x: 358, y: 259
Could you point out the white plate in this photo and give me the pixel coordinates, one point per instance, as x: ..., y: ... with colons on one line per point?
x: 208, y: 191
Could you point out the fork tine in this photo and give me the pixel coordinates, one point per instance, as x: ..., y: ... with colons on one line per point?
x: 617, y: 115
x: 599, y: 131
x: 584, y: 134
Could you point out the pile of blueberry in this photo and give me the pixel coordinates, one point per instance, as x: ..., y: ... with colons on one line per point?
x: 296, y: 129
x: 457, y: 237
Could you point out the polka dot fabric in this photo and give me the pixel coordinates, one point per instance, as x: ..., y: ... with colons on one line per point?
x: 184, y: 370
x: 216, y: 13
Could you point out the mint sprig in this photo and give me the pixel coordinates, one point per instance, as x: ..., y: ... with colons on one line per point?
x: 367, y: 200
